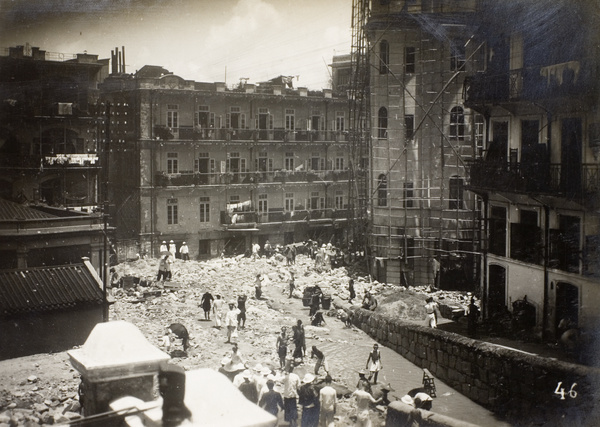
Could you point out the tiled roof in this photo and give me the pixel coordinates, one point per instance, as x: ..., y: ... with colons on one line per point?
x: 11, y: 210
x: 47, y: 288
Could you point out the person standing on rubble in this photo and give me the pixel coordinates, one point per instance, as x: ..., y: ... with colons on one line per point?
x: 206, y: 302
x: 218, y: 311
x: 291, y: 382
x: 292, y: 283
x: 172, y: 248
x: 258, y: 286
x: 327, y: 403
x: 184, y: 252
x: 163, y: 272
x: 282, y: 347
x: 163, y: 247
x: 351, y: 290
x: 431, y: 309
x: 231, y: 322
x: 374, y: 363
x: 242, y: 311
x: 299, y: 341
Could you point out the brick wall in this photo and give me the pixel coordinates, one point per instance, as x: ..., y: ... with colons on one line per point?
x: 515, y: 385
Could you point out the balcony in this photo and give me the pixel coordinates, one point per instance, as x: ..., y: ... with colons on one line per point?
x: 58, y: 161
x: 252, y: 219
x: 191, y: 133
x: 552, y: 179
x: 570, y: 79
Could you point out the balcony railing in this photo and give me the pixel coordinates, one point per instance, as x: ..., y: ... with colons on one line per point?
x: 546, y: 178
x: 163, y: 179
x: 277, y: 135
x: 58, y: 161
x: 568, y: 79
x: 244, y: 219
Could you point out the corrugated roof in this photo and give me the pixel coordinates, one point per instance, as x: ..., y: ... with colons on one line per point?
x: 47, y: 288
x: 11, y: 210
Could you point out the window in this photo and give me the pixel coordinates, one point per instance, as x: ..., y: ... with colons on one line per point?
x: 339, y: 121
x: 408, y: 194
x: 235, y: 119
x: 382, y: 190
x: 263, y: 164
x: 289, y: 119
x: 478, y: 128
x: 409, y: 59
x: 289, y: 202
x: 316, y: 201
x: 263, y: 207
x: 204, y: 209
x: 456, y: 193
x: 172, y: 212
x: 409, y: 126
x: 384, y: 57
x: 339, y: 199
x: 457, y: 124
x: 339, y: 163
x: 289, y: 161
x: 382, y: 123
x: 172, y: 163
x: 172, y: 116
x: 234, y: 199
x: 457, y: 55
x: 316, y: 162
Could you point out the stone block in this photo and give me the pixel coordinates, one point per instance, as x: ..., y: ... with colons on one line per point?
x: 452, y: 362
x: 465, y: 367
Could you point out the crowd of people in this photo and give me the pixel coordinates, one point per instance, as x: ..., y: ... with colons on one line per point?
x: 312, y: 400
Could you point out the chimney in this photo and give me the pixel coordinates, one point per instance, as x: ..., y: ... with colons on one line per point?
x: 250, y: 88
x: 276, y: 90
x: 113, y: 65
x: 327, y: 93
x: 220, y: 86
x: 120, y: 63
x: 123, y: 50
x: 302, y: 91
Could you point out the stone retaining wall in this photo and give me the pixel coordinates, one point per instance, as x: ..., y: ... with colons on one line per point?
x: 400, y: 414
x: 511, y: 383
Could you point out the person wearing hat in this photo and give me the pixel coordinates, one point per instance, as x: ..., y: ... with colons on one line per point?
x: 431, y: 308
x: 407, y: 400
x: 271, y: 400
x: 291, y: 382
x: 260, y: 378
x: 231, y: 322
x: 217, y: 309
x: 385, y: 389
x: 163, y: 247
x: 184, y: 252
x: 172, y: 248
x: 423, y: 401
x: 363, y: 382
x: 248, y: 388
x: 308, y: 398
x: 374, y: 364
x: 327, y: 403
x: 282, y: 346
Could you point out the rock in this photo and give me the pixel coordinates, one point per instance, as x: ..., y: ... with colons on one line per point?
x: 32, y: 379
x: 40, y: 407
x: 4, y: 418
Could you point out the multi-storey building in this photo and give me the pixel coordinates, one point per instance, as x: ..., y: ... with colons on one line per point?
x: 49, y: 126
x: 51, y: 135
x: 539, y: 175
x: 222, y: 168
x: 423, y: 222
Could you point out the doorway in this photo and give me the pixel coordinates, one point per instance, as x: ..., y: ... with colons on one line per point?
x: 567, y: 304
x: 496, y: 290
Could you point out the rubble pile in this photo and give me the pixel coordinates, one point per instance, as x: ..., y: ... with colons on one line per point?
x: 52, y: 396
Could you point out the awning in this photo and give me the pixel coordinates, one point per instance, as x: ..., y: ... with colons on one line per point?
x: 242, y: 229
x: 536, y: 200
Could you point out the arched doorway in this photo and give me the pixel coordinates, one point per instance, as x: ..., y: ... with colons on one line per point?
x: 496, y: 290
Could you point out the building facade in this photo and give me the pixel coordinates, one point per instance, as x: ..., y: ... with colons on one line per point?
x: 538, y: 178
x: 50, y: 129
x: 424, y: 224
x: 221, y: 168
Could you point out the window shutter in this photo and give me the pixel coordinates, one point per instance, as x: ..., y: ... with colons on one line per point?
x: 212, y: 120
x: 196, y: 119
x: 270, y: 165
x: 322, y: 165
x: 227, y: 121
x: 329, y: 164
x: 256, y: 165
x: 243, y: 121
x: 212, y: 166
x: 243, y: 165
x: 270, y: 121
x: 196, y: 165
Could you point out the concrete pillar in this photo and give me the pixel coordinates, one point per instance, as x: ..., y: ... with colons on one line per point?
x: 116, y: 360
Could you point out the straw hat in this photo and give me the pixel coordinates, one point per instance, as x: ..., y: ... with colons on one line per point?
x: 308, y: 378
x: 407, y: 400
x: 258, y: 367
x: 247, y: 374
x: 265, y: 371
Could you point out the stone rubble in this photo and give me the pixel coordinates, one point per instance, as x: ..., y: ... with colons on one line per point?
x: 151, y: 306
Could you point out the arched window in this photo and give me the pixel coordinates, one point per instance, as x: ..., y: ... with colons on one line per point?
x: 382, y: 123
x: 384, y: 57
x: 382, y: 190
x: 457, y: 123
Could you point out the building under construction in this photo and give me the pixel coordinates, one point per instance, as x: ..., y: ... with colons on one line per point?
x: 415, y: 55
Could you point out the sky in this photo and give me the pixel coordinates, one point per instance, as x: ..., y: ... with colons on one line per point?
x: 202, y: 40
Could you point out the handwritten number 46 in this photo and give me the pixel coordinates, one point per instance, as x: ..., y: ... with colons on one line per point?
x: 561, y: 391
